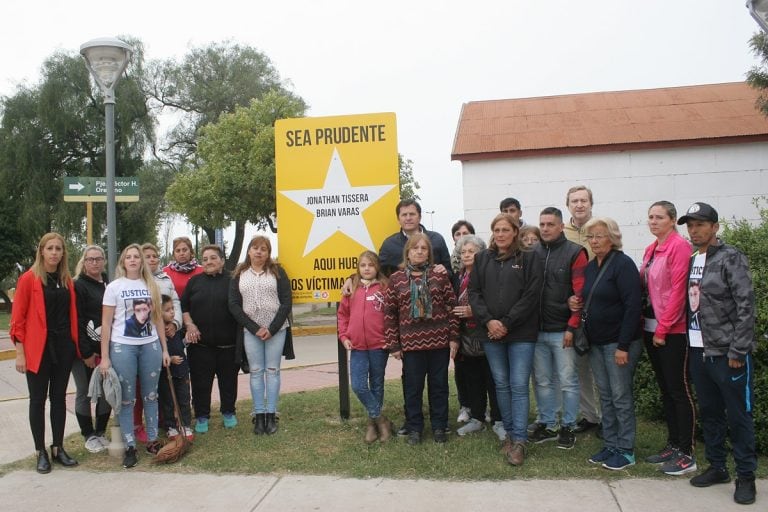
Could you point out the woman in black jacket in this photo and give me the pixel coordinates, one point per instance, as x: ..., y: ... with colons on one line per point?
x: 504, y: 292
x: 90, y: 283
x: 260, y: 300
x: 211, y: 333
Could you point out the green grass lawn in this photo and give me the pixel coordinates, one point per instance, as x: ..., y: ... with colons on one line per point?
x: 5, y: 320
x: 313, y: 440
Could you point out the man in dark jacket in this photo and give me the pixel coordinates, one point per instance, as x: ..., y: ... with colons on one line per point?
x: 555, y: 360
x: 722, y: 342
x: 409, y: 217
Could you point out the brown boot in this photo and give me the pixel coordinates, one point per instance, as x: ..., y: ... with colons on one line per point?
x: 371, y: 434
x: 514, y: 452
x: 385, y: 428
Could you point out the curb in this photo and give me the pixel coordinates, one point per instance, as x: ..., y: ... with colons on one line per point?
x: 311, y: 330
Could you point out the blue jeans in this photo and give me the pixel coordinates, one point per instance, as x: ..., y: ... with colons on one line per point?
x: 145, y: 362
x: 366, y: 368
x: 556, y: 379
x: 726, y: 398
x: 614, y: 383
x: 264, y: 362
x: 511, y: 365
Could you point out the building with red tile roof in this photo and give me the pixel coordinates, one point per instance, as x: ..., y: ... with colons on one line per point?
x: 683, y: 144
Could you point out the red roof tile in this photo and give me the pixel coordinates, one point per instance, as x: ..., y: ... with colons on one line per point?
x: 606, y: 121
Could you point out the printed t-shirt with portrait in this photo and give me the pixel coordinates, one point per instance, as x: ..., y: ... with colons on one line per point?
x: 694, y: 293
x: 132, y: 323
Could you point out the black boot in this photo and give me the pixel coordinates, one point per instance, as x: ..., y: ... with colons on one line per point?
x: 271, y: 423
x: 43, y: 463
x: 60, y: 456
x: 259, y: 424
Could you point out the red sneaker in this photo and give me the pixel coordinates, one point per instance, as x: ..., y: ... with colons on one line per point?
x: 140, y: 434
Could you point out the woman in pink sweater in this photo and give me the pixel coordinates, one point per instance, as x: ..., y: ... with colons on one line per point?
x: 361, y: 330
x: 664, y: 275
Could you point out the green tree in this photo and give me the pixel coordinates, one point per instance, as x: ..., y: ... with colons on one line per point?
x: 235, y: 181
x: 408, y: 183
x: 757, y: 77
x: 208, y: 82
x: 55, y: 129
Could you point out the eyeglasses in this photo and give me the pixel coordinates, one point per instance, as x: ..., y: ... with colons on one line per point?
x: 94, y: 260
x: 596, y: 237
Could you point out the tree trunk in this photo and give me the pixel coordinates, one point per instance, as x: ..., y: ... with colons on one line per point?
x: 237, y: 245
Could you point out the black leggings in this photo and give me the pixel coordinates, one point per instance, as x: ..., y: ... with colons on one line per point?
x: 50, y: 379
x: 670, y: 365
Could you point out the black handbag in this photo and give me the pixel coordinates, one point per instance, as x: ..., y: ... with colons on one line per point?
x: 580, y: 342
x: 469, y: 346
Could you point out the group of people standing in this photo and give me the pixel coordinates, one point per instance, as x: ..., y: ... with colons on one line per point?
x: 130, y: 329
x: 561, y: 305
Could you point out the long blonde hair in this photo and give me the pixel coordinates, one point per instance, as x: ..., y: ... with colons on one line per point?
x: 38, y: 267
x: 81, y: 261
x: 374, y: 259
x: 146, y: 276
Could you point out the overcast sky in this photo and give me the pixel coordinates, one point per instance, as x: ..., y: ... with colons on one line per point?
x: 419, y: 59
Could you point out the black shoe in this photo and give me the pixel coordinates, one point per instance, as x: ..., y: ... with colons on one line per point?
x: 414, y: 438
x: 270, y: 423
x: 43, y: 463
x: 745, y: 491
x: 59, y: 456
x: 130, y: 458
x: 584, y: 425
x: 439, y: 436
x: 259, y: 424
x: 542, y: 434
x: 566, y: 439
x: 711, y: 476
x: 403, y: 432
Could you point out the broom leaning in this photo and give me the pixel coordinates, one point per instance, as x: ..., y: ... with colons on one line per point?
x: 179, y: 445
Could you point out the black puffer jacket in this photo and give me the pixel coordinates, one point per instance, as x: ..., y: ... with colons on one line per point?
x: 509, y: 291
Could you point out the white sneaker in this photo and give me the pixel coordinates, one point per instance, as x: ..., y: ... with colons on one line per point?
x: 189, y: 433
x: 472, y: 426
x: 498, y: 429
x: 463, y: 415
x: 172, y: 432
x: 93, y: 445
x: 103, y: 440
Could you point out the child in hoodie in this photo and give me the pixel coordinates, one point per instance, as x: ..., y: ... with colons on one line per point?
x: 361, y: 331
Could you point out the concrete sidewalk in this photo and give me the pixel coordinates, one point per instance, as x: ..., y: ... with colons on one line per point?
x: 314, y: 368
x: 137, y: 491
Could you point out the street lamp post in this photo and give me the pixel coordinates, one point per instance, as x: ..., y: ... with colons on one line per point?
x: 106, y: 58
x: 759, y: 11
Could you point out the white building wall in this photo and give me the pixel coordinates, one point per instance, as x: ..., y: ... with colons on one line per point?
x: 624, y: 184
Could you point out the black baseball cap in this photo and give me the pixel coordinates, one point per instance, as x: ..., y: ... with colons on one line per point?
x: 699, y: 211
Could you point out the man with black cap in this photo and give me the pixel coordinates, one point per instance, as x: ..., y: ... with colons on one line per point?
x: 721, y: 335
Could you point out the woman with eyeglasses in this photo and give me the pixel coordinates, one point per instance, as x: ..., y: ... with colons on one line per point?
x: 612, y: 324
x: 90, y: 283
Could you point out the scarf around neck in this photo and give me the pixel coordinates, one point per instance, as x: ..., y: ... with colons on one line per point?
x: 421, y: 300
x: 184, y: 268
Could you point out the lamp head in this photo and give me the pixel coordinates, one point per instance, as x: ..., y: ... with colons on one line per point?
x: 106, y: 59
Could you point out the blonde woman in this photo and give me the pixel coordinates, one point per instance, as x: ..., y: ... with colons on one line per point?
x: 133, y: 340
x: 44, y: 330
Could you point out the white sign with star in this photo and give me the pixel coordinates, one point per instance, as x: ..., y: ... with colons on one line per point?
x: 338, y: 206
